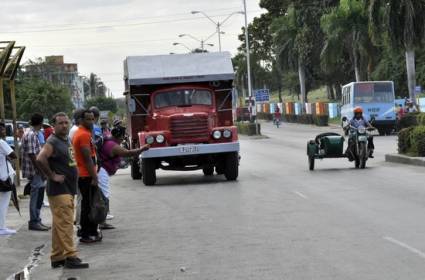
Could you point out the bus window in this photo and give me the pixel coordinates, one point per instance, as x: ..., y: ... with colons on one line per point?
x: 373, y: 93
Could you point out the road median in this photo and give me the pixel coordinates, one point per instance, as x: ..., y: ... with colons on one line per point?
x: 403, y: 159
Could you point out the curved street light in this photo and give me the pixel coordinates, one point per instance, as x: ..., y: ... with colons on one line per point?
x: 217, y: 24
x: 202, y: 41
x: 181, y: 44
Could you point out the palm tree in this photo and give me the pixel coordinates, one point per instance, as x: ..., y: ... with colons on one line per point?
x: 286, y: 41
x: 405, y: 23
x: 346, y: 29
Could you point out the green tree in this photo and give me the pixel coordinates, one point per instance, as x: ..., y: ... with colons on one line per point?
x: 37, y: 95
x: 103, y: 103
x: 405, y: 24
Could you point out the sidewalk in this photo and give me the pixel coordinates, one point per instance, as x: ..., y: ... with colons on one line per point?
x: 403, y: 159
x: 17, y: 249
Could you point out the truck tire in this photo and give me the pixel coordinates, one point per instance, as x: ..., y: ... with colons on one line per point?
x: 231, y: 170
x: 208, y: 170
x: 148, y: 172
x: 135, y: 170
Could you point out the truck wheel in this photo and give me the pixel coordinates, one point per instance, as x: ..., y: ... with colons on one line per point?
x: 148, y: 172
x: 311, y: 163
x: 208, y: 170
x: 231, y: 170
x: 135, y: 170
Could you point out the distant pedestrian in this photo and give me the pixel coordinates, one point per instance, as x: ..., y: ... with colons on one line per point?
x: 30, y: 149
x: 77, y: 120
x: 85, y: 155
x: 411, y: 107
x: 6, y: 172
x: 110, y: 160
x: 57, y: 161
x: 97, y: 130
x: 106, y: 133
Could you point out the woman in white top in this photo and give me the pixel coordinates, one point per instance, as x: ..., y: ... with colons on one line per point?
x: 6, y: 171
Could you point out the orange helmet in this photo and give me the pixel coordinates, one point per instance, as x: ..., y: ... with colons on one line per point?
x: 358, y: 110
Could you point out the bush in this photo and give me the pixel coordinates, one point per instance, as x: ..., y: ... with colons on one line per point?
x: 417, y: 138
x: 248, y: 128
x: 408, y: 120
x: 420, y: 118
x: 264, y: 116
x: 321, y: 120
x: 404, y: 143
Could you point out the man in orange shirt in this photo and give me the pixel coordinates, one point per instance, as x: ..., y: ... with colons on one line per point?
x: 85, y: 155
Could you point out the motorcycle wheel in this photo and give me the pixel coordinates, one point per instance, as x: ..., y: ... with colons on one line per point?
x: 362, y: 155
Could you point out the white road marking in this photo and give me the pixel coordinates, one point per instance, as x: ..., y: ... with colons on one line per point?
x: 300, y: 195
x: 405, y: 246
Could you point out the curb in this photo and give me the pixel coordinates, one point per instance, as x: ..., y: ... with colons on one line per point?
x: 396, y: 158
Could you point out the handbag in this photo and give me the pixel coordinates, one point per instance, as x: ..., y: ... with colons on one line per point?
x: 7, y: 185
x: 98, y: 209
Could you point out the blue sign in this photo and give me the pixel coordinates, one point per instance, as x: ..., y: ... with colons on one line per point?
x: 418, y: 89
x: 262, y: 95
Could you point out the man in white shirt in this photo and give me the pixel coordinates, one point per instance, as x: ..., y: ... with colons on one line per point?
x: 77, y: 119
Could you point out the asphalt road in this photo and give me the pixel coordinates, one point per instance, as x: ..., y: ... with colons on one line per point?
x: 278, y: 221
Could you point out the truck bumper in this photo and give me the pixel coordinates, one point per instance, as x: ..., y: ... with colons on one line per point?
x: 190, y: 150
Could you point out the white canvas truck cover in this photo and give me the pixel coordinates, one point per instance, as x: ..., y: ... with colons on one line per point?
x: 178, y: 68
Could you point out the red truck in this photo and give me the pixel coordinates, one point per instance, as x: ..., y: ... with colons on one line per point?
x: 182, y: 105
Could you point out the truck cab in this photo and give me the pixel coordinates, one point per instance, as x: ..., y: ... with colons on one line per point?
x: 182, y: 106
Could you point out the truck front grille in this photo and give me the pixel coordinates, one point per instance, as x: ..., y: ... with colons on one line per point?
x: 189, y: 128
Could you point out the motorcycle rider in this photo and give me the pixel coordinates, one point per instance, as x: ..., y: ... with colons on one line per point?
x: 357, y: 121
x: 277, y: 115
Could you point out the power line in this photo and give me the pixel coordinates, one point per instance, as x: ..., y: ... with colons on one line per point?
x: 109, y: 43
x: 113, y: 25
x: 37, y: 25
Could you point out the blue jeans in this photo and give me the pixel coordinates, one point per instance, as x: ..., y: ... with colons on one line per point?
x: 36, y: 199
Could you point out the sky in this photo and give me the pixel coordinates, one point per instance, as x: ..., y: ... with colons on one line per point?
x: 99, y: 34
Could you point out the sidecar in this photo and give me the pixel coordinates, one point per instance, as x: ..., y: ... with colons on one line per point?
x: 325, y: 145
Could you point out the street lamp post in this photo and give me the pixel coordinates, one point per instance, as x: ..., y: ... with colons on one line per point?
x: 202, y: 41
x: 217, y: 24
x: 248, y: 62
x: 181, y: 44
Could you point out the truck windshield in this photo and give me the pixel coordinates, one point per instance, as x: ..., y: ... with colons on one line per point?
x: 373, y: 93
x: 185, y: 97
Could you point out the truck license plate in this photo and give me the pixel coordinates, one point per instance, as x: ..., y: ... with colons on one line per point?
x: 189, y: 149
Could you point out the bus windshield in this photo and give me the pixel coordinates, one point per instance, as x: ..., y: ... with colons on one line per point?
x: 183, y: 98
x: 373, y: 93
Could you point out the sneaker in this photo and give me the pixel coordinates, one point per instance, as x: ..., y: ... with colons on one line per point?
x: 37, y: 227
x: 109, y: 217
x: 43, y: 225
x: 46, y: 204
x: 75, y: 263
x: 106, y: 226
x: 90, y: 239
x: 7, y: 231
x: 57, y: 264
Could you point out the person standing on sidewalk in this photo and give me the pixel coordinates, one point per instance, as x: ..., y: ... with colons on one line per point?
x: 6, y: 172
x: 30, y: 149
x: 57, y: 162
x: 85, y: 155
x: 110, y: 159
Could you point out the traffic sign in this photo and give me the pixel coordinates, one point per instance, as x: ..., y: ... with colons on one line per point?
x: 262, y: 95
x: 418, y: 89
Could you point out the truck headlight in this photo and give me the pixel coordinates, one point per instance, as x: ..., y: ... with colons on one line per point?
x: 160, y: 139
x: 149, y: 139
x: 217, y: 134
x: 227, y: 133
